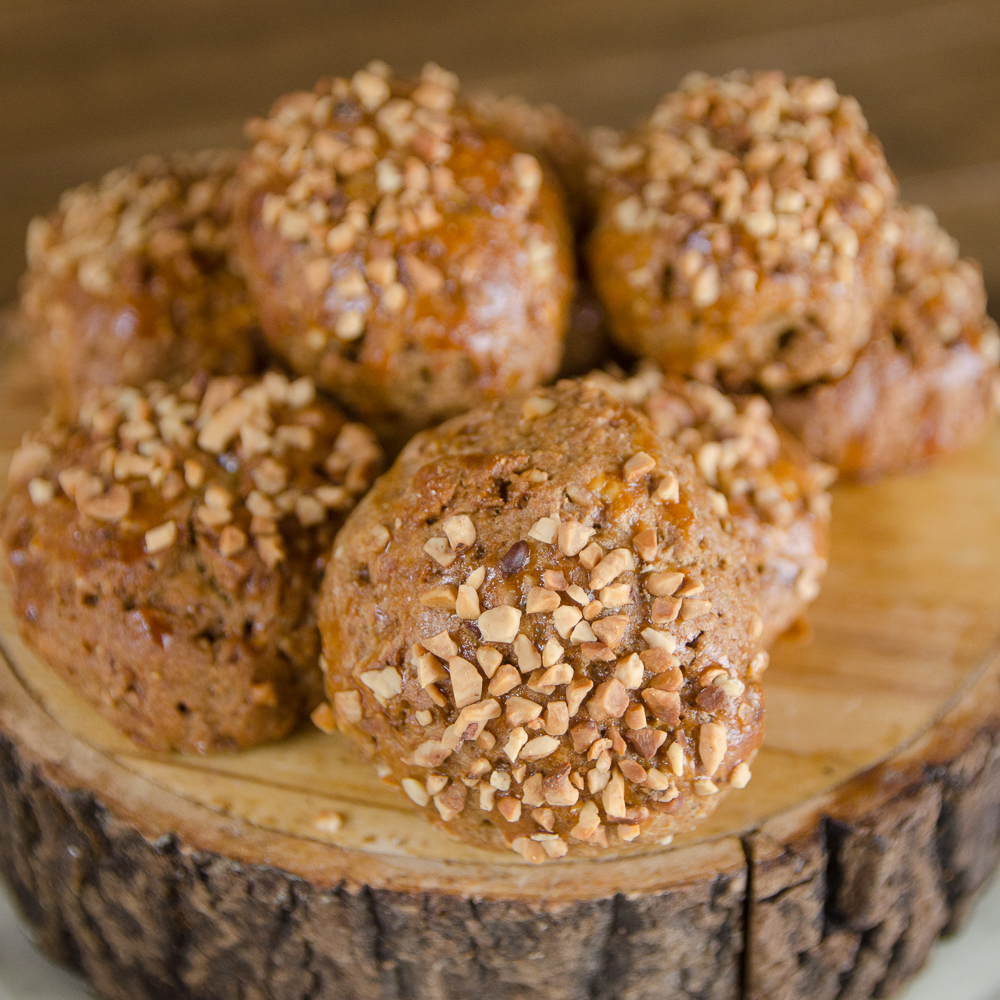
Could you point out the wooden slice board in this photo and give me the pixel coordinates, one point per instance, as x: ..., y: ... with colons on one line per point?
x: 872, y: 818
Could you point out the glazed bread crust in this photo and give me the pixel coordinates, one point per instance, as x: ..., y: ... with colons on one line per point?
x: 403, y: 253
x: 767, y: 485
x: 131, y: 279
x: 739, y: 230
x: 927, y: 384
x: 538, y: 625
x: 165, y: 552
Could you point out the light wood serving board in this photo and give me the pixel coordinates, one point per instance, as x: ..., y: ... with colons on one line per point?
x: 872, y: 818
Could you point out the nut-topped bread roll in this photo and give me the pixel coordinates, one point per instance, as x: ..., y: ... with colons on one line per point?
x: 740, y: 230
x: 404, y: 254
x: 536, y: 623
x: 927, y: 384
x: 765, y: 481
x: 165, y: 552
x: 130, y: 279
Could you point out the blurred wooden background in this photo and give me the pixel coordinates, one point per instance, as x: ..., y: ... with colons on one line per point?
x: 87, y: 84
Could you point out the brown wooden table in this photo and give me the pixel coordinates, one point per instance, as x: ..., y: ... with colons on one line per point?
x: 87, y: 84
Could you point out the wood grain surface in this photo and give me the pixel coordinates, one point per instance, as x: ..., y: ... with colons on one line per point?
x: 87, y: 84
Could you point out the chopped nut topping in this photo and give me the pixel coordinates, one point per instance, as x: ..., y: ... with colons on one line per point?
x: 609, y: 701
x: 440, y: 550
x: 588, y: 823
x: 451, y: 802
x: 505, y: 679
x: 537, y: 406
x: 663, y: 584
x: 556, y: 718
x: 573, y: 536
x: 41, y: 491
x: 645, y: 544
x: 541, y: 601
x: 633, y: 771
x: 629, y: 671
x: 705, y: 786
x: 610, y: 568
x: 576, y: 691
x: 613, y: 796
x: 476, y: 578
x: 441, y: 645
x: 498, y: 624
x: 659, y: 640
x: 467, y: 603
x: 539, y: 748
x: 638, y: 466
x: 581, y: 633
x: 551, y: 653
x: 489, y: 659
x: 668, y: 489
x: 528, y: 657
x: 460, y: 531
x: 694, y: 609
x: 577, y: 594
x: 520, y: 710
x: 28, y: 462
x: 544, y: 529
x: 565, y: 619
x: 510, y: 809
x: 442, y: 598
x: 554, y: 579
x: 690, y: 588
x: 616, y: 596
x: 740, y: 777
x: 712, y: 746
x: 635, y: 717
x: 591, y: 556
x: 385, y: 683
x: 646, y: 741
x: 323, y: 718
x: 160, y: 538
x: 466, y: 681
x: 665, y: 705
x: 515, y: 741
x: 110, y: 506
x: 515, y: 559
x: 415, y: 791
x: 610, y: 630
x: 544, y: 817
x: 675, y: 757
x: 232, y: 541
x: 664, y: 610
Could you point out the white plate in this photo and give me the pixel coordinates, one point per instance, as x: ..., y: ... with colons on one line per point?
x: 966, y: 967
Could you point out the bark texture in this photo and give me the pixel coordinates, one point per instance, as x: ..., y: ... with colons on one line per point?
x: 846, y: 907
x: 155, y: 920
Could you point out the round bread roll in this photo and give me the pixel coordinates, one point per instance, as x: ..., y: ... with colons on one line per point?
x: 766, y: 483
x: 546, y: 132
x: 927, y: 384
x: 739, y: 230
x: 165, y: 552
x: 130, y: 279
x: 409, y: 258
x: 537, y: 625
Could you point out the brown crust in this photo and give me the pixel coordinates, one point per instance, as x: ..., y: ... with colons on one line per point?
x: 130, y: 279
x: 740, y: 230
x: 402, y: 253
x: 650, y: 737
x: 927, y: 384
x: 168, y: 571
x: 774, y: 494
